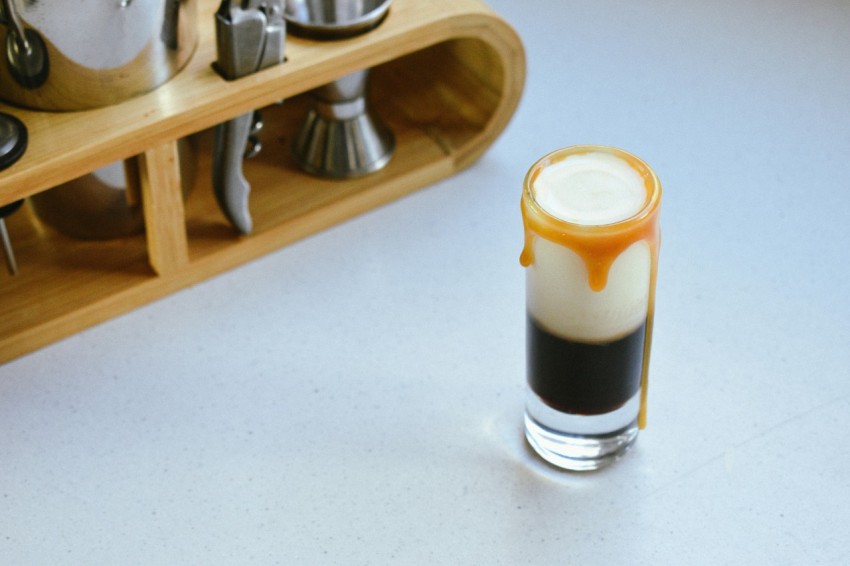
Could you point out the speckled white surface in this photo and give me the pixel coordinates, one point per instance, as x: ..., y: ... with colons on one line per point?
x: 356, y: 398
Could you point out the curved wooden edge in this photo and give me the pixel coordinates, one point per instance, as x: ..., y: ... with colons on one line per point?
x: 67, y: 145
x: 501, y: 37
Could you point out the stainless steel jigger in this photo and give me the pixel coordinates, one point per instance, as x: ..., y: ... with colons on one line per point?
x: 340, y: 137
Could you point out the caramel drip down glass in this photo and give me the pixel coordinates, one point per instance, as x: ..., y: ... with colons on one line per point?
x: 591, y: 303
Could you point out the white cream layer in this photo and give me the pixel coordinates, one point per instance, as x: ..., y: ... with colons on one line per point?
x: 590, y: 188
x: 560, y: 297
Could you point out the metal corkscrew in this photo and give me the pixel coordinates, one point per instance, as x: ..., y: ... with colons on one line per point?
x: 250, y: 36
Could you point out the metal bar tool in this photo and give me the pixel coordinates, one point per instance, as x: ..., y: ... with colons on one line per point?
x: 13, y: 142
x: 8, y: 251
x: 250, y: 36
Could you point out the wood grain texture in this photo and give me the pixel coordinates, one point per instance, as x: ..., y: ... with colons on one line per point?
x: 162, y: 205
x: 447, y: 76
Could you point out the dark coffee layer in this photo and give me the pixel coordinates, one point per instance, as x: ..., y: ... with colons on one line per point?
x: 581, y: 378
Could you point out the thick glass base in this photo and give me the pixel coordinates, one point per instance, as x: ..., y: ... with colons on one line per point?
x: 577, y: 442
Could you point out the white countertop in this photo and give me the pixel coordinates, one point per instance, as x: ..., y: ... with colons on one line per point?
x: 356, y: 398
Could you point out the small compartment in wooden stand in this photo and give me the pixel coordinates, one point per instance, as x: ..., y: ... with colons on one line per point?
x: 446, y: 77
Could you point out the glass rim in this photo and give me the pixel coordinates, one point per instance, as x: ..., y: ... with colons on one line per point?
x: 650, y: 179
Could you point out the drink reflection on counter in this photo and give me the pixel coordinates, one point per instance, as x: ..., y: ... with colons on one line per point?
x: 591, y: 246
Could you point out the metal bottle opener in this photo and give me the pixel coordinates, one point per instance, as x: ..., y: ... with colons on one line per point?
x: 250, y: 36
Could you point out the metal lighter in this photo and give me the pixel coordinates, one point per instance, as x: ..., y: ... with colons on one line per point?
x: 250, y: 36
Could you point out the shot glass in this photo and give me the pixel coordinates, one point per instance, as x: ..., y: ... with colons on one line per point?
x: 591, y: 222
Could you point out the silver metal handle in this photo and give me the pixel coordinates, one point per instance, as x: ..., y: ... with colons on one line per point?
x: 249, y: 37
x: 229, y: 184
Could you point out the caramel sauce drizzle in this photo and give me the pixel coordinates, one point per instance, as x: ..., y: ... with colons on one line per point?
x: 599, y: 246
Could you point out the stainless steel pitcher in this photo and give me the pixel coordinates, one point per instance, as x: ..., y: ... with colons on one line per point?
x: 63, y: 55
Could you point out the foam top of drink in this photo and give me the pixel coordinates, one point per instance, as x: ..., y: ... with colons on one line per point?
x: 591, y: 189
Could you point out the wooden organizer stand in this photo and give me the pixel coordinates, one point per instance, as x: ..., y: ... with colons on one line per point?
x: 447, y: 76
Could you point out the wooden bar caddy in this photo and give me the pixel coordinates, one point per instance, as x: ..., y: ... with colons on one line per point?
x: 446, y: 77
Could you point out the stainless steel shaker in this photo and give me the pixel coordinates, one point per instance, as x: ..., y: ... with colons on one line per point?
x: 62, y: 55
